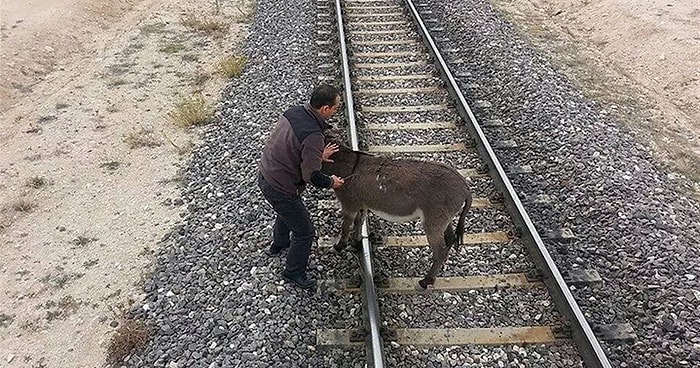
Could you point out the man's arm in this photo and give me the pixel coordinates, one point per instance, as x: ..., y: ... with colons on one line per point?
x: 311, y: 155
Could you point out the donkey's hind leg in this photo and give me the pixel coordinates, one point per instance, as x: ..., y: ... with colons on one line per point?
x: 348, y: 220
x: 450, y: 238
x: 436, y: 240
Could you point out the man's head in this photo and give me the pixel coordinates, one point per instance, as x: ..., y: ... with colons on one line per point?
x: 325, y: 100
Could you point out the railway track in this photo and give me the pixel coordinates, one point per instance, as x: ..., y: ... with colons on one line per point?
x: 502, y: 288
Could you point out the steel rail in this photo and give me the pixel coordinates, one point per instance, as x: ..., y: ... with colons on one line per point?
x: 373, y: 342
x: 589, y: 347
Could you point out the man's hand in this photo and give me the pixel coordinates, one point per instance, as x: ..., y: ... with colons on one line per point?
x: 330, y: 149
x: 337, y: 182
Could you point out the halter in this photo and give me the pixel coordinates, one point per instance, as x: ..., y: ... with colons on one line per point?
x: 354, y: 166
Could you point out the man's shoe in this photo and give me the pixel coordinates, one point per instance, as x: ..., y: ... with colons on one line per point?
x: 300, y: 280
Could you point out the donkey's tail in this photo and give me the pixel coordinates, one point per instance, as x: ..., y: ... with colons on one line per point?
x: 459, y: 231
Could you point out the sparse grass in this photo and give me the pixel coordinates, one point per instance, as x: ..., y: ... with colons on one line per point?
x: 141, y: 138
x: 199, y: 79
x: 32, y: 325
x: 173, y: 47
x: 130, y: 335
x: 206, y: 25
x: 192, y: 111
x: 61, y: 280
x: 117, y: 82
x: 111, y: 165
x: 149, y: 29
x: 37, y: 182
x: 66, y: 306
x: 232, y: 66
x: 5, y: 222
x: 23, y: 205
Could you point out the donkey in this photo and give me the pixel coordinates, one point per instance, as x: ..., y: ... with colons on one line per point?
x: 401, y: 190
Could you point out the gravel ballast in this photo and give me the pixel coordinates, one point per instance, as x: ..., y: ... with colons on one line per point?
x: 634, y: 221
x: 216, y: 299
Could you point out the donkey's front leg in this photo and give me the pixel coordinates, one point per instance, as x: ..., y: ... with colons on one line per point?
x: 348, y: 219
x: 357, y: 229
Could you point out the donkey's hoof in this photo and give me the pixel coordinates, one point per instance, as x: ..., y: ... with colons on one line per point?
x: 425, y: 284
x: 339, y: 246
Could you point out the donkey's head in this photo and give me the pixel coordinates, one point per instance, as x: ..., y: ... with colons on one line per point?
x: 344, y: 160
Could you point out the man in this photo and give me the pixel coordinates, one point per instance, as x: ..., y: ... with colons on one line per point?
x: 291, y: 158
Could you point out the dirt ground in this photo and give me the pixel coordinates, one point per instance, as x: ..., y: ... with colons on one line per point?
x: 90, y: 158
x: 81, y: 211
x: 639, y: 59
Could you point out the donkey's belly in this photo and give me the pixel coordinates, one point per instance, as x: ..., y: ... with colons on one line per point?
x: 417, y: 214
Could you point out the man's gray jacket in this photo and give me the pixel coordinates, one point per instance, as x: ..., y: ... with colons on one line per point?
x: 292, y: 155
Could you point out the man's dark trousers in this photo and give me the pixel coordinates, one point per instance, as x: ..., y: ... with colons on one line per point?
x: 293, y: 216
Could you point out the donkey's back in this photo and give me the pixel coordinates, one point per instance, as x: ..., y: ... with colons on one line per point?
x: 403, y: 190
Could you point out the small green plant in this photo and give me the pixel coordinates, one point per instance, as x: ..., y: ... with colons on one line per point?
x: 117, y: 82
x: 205, y: 25
x: 192, y: 111
x: 47, y: 119
x: 90, y: 263
x: 37, y: 182
x: 23, y: 205
x: 82, y: 241
x: 173, y: 47
x: 232, y: 67
x: 5, y: 319
x: 141, y: 138
x: 190, y: 57
x: 110, y: 165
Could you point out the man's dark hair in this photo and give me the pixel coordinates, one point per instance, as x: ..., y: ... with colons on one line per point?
x: 323, y: 95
